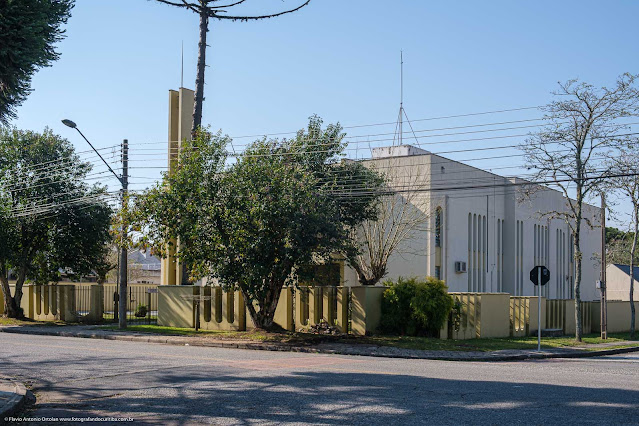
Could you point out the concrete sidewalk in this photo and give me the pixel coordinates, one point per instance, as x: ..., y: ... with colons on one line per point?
x: 13, y: 395
x: 95, y: 332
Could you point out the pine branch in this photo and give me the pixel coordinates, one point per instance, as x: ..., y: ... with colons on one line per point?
x: 214, y: 14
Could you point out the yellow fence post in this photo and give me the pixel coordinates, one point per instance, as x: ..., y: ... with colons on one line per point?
x: 328, y: 304
x: 314, y: 305
x: 342, y: 309
x: 366, y: 308
x: 284, y: 310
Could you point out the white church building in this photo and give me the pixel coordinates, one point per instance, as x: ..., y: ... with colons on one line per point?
x: 485, y: 232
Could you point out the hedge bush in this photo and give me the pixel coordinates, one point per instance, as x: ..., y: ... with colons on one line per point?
x: 415, y: 307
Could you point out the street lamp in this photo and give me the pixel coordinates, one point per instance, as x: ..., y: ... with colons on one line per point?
x: 72, y: 124
x: 124, y: 181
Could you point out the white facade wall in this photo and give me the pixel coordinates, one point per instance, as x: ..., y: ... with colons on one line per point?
x: 488, y: 224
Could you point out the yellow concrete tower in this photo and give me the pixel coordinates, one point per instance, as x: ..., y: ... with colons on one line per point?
x: 180, y: 123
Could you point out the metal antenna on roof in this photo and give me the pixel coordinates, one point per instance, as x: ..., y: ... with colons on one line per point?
x: 401, y: 99
x: 399, y: 127
x: 182, y: 69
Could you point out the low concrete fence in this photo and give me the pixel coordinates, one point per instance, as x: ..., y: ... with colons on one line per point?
x: 356, y: 310
x: 46, y: 302
x: 61, y: 302
x: 618, y: 316
x: 524, y: 312
x: 483, y: 315
x: 560, y: 314
x: 222, y: 310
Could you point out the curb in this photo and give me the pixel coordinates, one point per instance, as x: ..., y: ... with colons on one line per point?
x: 146, y: 338
x: 15, y: 402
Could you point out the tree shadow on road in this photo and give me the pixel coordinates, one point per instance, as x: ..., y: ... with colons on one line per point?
x: 202, y: 394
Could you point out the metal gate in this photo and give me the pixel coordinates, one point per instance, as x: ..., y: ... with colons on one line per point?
x: 141, y: 301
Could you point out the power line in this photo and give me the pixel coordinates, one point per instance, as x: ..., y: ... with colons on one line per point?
x: 395, y: 122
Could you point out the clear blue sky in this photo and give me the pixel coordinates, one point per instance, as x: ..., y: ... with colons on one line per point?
x: 336, y: 58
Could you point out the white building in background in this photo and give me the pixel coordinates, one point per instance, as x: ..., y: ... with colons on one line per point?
x: 484, y: 235
x: 618, y: 282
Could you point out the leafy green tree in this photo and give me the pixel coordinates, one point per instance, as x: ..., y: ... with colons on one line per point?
x: 50, y: 218
x: 29, y: 29
x: 613, y: 234
x: 282, y: 205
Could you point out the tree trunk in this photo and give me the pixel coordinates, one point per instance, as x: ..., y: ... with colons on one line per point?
x: 365, y: 279
x: 201, y: 68
x: 11, y: 304
x: 263, y: 319
x: 632, y: 273
x: 578, y: 259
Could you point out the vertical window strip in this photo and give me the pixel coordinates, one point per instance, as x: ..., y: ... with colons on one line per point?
x: 483, y: 253
x: 438, y: 227
x: 475, y: 235
x: 470, y: 245
x: 501, y: 273
x: 498, y: 257
x: 521, y: 257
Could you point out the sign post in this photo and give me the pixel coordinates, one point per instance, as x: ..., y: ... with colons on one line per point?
x: 539, y: 275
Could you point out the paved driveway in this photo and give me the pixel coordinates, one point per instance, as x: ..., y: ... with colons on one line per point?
x: 162, y: 384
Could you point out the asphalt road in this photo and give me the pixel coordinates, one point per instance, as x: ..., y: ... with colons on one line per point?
x: 161, y: 384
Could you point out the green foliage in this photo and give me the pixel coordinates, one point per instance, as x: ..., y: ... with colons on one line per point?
x: 141, y: 311
x: 50, y: 218
x: 415, y: 307
x: 283, y: 204
x: 29, y: 30
x: 614, y: 234
x: 618, y: 247
x: 456, y: 314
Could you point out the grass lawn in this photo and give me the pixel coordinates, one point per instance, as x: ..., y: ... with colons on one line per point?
x: 256, y: 335
x: 422, y: 343
x: 11, y: 321
x: 530, y: 342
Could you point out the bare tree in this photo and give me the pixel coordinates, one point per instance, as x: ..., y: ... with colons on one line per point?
x: 625, y: 165
x: 582, y: 125
x: 403, y: 214
x: 207, y: 9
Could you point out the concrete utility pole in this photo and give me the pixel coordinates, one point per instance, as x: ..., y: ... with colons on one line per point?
x: 123, y: 250
x: 124, y: 180
x: 604, y: 304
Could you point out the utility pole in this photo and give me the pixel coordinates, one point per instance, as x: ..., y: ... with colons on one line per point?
x: 604, y: 304
x: 122, y: 259
x: 123, y: 249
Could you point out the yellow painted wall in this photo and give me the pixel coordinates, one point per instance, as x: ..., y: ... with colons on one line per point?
x: 175, y: 306
x: 222, y: 310
x: 618, y: 316
x: 366, y: 309
x: 484, y: 315
x: 284, y: 311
